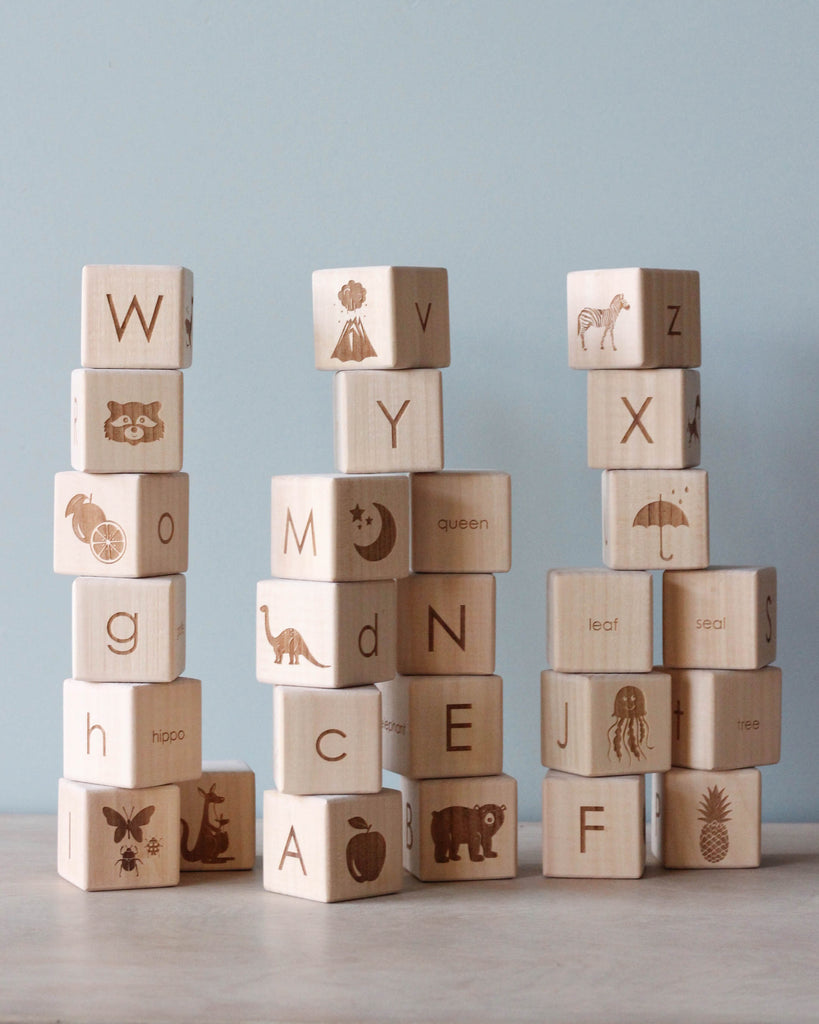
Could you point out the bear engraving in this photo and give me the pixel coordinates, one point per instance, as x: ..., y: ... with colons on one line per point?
x: 134, y: 422
x: 453, y: 826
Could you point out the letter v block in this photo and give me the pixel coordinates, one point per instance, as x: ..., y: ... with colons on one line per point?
x: 218, y: 818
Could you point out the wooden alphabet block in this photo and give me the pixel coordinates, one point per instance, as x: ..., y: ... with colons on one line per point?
x: 137, y: 317
x: 599, y: 621
x: 446, y: 624
x: 707, y: 819
x: 722, y: 617
x: 643, y: 419
x: 339, y: 528
x: 633, y: 318
x: 128, y: 630
x: 461, y: 521
x: 388, y: 421
x: 132, y: 735
x: 109, y: 838
x: 126, y: 421
x: 725, y: 719
x: 460, y: 829
x: 443, y: 726
x: 120, y: 524
x: 593, y: 828
x: 608, y: 724
x: 325, y: 634
x: 380, y: 317
x: 331, y: 848
x: 326, y: 741
x: 218, y: 818
x: 655, y: 518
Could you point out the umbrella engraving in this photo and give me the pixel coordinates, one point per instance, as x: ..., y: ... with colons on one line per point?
x: 661, y: 513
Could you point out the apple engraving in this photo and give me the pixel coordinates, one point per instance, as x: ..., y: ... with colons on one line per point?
x: 366, y: 852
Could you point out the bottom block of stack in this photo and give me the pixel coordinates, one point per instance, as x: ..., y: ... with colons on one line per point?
x: 218, y: 813
x: 111, y: 838
x: 331, y: 848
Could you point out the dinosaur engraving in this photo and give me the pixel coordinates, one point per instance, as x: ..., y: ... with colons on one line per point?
x: 289, y: 642
x: 212, y: 840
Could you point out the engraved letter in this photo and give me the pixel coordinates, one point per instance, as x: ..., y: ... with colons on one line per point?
x: 89, y: 728
x: 132, y: 639
x: 671, y: 332
x: 289, y: 525
x: 584, y: 828
x: 450, y: 725
x: 410, y: 837
x: 291, y: 835
x: 373, y: 652
x: 394, y: 422
x: 460, y: 640
x: 320, y: 752
x: 424, y: 319
x: 565, y: 742
x: 120, y: 328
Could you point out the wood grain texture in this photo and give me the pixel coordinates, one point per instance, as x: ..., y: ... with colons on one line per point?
x: 218, y: 818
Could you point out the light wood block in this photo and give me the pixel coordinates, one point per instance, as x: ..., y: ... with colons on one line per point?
x: 388, y: 421
x: 460, y: 829
x: 325, y: 634
x: 132, y: 735
x: 120, y: 524
x: 137, y: 317
x: 446, y: 624
x: 707, y: 819
x: 218, y: 818
x: 609, y: 724
x: 331, y: 848
x: 380, y: 317
x: 643, y: 419
x: 593, y: 828
x: 443, y: 726
x: 126, y: 421
x: 655, y: 518
x: 724, y: 719
x: 126, y: 630
x: 633, y: 318
x: 722, y: 617
x: 599, y: 621
x: 110, y: 838
x: 461, y: 521
x: 339, y: 528
x: 326, y: 741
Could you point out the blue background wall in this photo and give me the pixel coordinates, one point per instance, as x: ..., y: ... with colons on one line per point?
x: 254, y: 142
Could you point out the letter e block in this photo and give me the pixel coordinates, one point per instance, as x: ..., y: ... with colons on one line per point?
x: 218, y: 815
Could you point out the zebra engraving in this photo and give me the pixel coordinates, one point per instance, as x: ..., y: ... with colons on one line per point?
x: 605, y: 318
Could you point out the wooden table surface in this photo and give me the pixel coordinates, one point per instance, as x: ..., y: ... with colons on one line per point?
x: 673, y: 946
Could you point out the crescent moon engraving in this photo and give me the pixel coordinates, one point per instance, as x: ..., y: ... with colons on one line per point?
x: 384, y: 542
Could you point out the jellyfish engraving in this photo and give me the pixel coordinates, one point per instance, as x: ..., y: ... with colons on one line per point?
x: 629, y: 732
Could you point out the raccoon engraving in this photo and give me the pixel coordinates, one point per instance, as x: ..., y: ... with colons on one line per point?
x: 134, y: 422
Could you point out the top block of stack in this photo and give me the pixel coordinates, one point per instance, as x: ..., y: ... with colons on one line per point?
x: 633, y: 319
x: 137, y: 318
x: 385, y: 318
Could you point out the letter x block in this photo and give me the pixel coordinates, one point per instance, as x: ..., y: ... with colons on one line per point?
x: 380, y: 317
x: 109, y: 838
x: 137, y: 317
x: 331, y: 848
x: 122, y: 524
x: 218, y: 817
x: 338, y: 528
x: 633, y: 318
x: 388, y: 421
x: 132, y: 734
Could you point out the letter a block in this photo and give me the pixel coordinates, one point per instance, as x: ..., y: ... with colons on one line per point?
x: 110, y: 838
x: 593, y: 828
x: 137, y: 317
x: 388, y: 421
x: 132, y: 734
x: 338, y: 528
x: 326, y: 741
x: 325, y: 634
x: 460, y: 829
x: 707, y: 819
x: 218, y: 814
x: 633, y: 318
x: 128, y: 630
x: 123, y: 524
x: 380, y: 318
x: 331, y: 848
x: 722, y: 617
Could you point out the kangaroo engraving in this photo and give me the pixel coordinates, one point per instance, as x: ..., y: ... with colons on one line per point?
x: 212, y: 840
x: 289, y: 642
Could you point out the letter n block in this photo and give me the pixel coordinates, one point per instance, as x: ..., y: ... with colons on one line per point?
x: 218, y: 818
x: 593, y: 828
x: 111, y: 838
x: 132, y: 735
x: 460, y: 829
x: 331, y: 848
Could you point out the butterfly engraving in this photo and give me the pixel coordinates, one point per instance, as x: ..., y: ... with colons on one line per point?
x: 131, y: 826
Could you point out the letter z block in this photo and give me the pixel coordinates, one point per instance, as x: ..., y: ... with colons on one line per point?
x: 380, y: 318
x: 331, y: 848
x: 218, y: 818
x: 109, y: 838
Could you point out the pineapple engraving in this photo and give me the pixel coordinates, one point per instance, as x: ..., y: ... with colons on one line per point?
x: 715, y: 810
